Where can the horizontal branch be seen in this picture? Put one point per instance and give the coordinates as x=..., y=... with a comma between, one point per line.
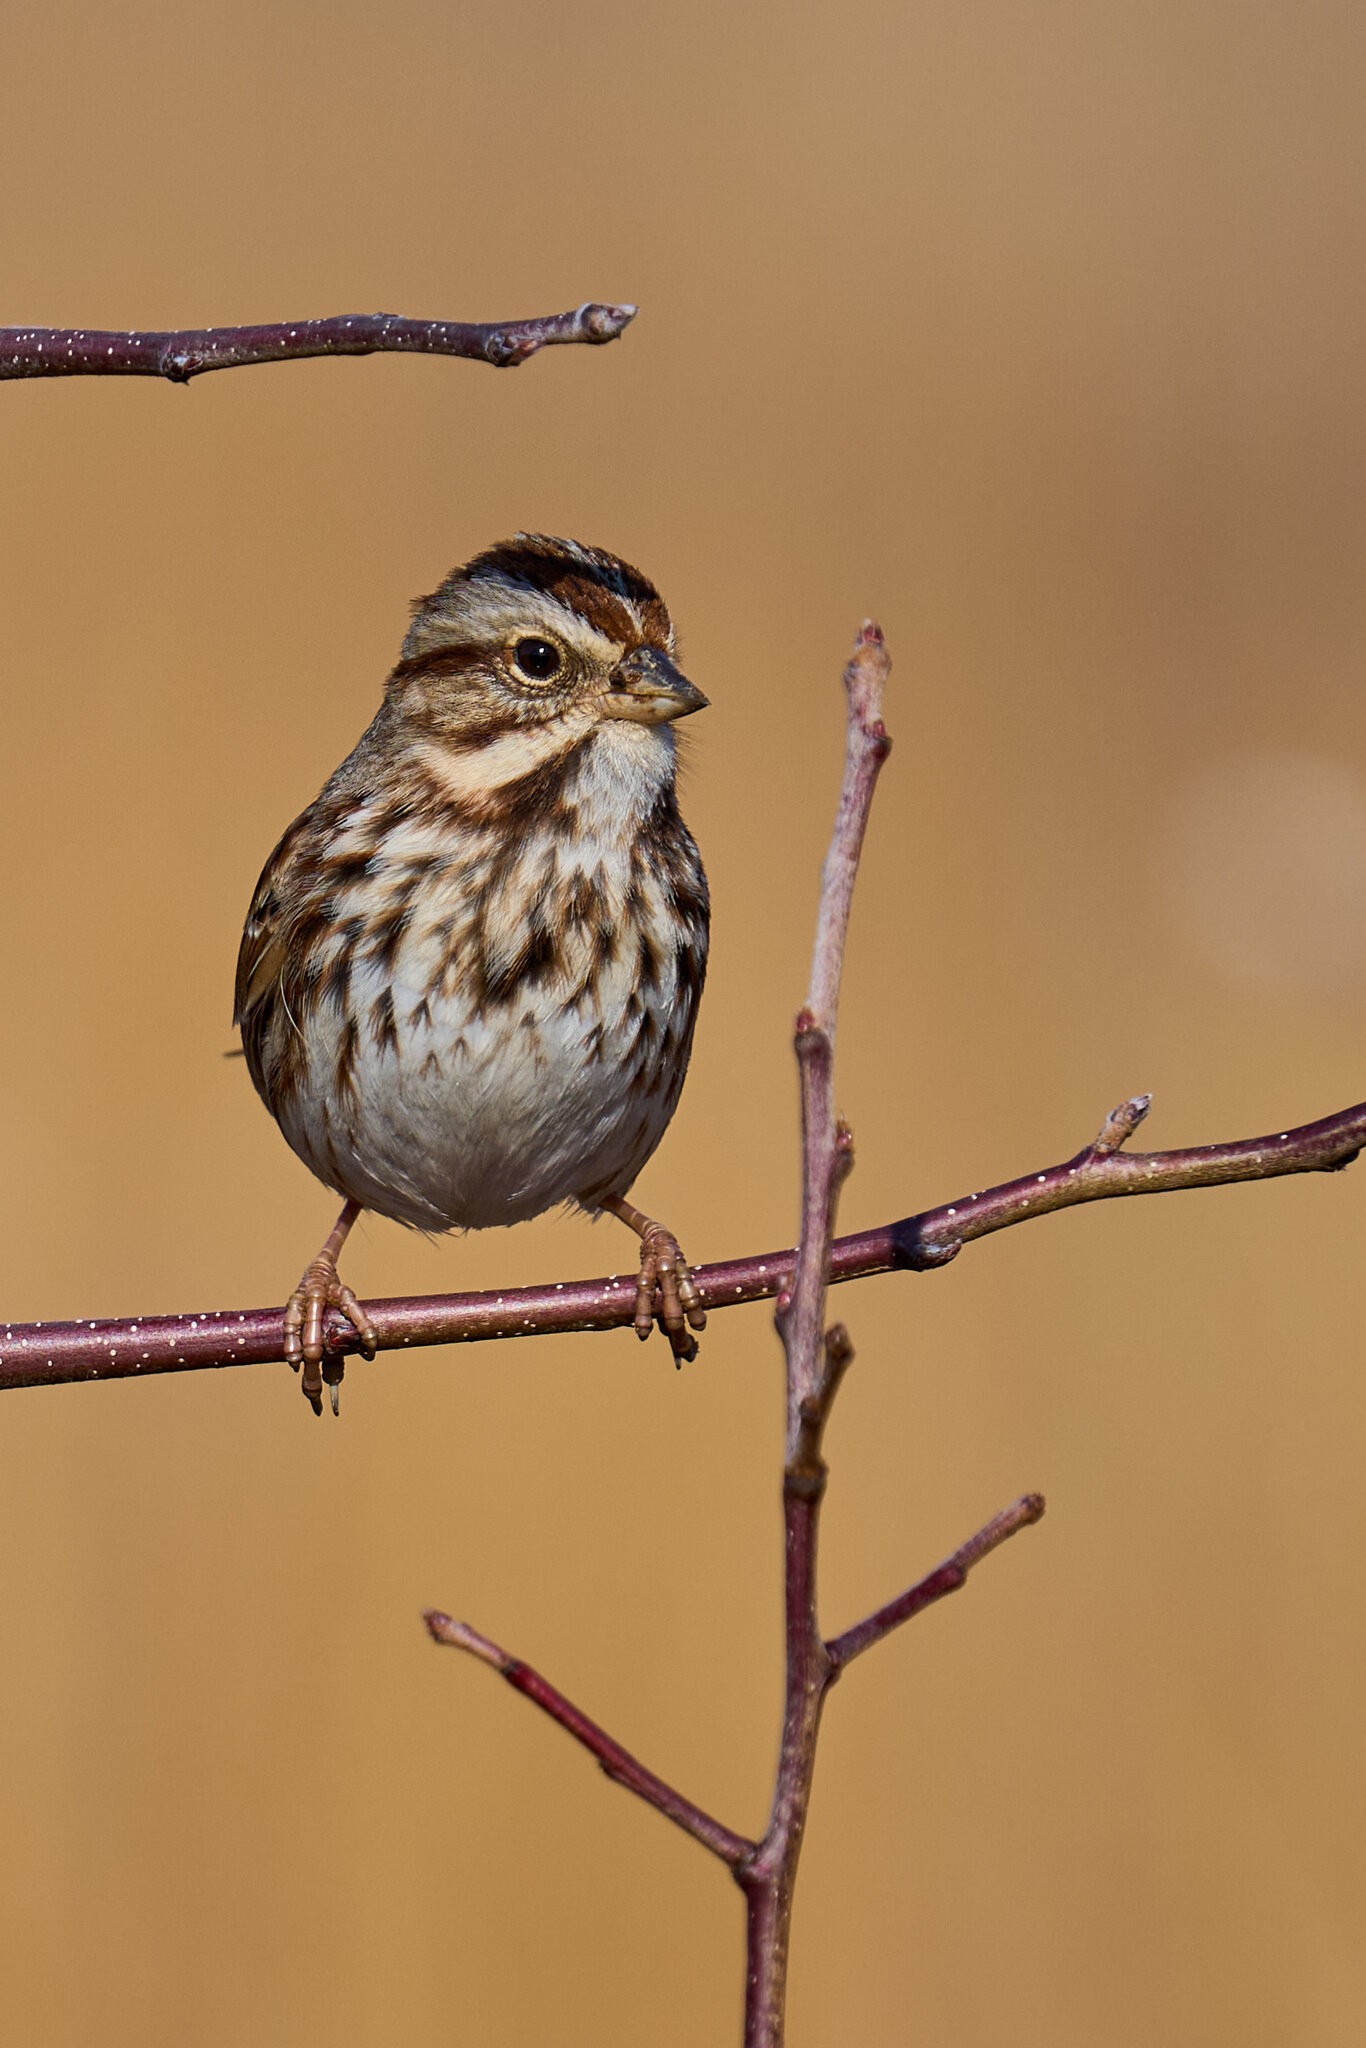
x=945, y=1578
x=184, y=352
x=49, y=1354
x=618, y=1764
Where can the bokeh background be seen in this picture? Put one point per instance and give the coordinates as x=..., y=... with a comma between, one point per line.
x=1035, y=330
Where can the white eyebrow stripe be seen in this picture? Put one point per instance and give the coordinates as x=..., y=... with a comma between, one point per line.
x=499, y=608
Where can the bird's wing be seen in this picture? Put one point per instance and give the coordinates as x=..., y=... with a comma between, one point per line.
x=261, y=956
x=264, y=953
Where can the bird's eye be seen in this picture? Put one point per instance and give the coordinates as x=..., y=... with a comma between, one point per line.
x=538, y=660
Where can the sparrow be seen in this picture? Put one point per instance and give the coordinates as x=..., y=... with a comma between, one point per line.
x=470, y=972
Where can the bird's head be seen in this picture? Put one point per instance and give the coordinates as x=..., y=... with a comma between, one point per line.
x=539, y=634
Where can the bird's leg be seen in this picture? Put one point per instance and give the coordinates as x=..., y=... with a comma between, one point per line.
x=318, y=1291
x=663, y=1268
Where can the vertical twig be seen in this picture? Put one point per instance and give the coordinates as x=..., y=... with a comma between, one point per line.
x=826, y=1152
x=816, y=1361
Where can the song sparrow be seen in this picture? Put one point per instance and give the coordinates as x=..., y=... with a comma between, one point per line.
x=470, y=972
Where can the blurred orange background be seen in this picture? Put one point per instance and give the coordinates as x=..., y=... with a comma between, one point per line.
x=1035, y=331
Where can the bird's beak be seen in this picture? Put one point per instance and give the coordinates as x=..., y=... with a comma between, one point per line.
x=645, y=686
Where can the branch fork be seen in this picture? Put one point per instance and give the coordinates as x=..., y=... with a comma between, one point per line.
x=737, y=1851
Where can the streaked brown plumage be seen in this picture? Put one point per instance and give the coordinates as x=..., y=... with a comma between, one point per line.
x=470, y=972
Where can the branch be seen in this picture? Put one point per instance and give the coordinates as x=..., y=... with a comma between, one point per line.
x=866, y=748
x=816, y=1361
x=136, y=1347
x=827, y=1149
x=945, y=1578
x=618, y=1764
x=184, y=352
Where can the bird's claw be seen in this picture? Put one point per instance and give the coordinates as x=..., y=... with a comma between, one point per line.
x=665, y=1289
x=318, y=1291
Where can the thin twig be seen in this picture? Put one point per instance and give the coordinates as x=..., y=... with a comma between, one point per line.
x=945, y=1578
x=827, y=1152
x=816, y=1361
x=184, y=352
x=138, y=1347
x=617, y=1763
x=866, y=748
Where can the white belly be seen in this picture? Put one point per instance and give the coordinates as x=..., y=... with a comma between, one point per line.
x=478, y=1117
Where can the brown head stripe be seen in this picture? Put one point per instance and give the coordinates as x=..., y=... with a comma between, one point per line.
x=590, y=582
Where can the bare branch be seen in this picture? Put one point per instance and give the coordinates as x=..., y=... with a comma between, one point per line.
x=945, y=1578
x=137, y=1347
x=827, y=1150
x=1102, y=1171
x=816, y=1359
x=866, y=748
x=618, y=1764
x=184, y=352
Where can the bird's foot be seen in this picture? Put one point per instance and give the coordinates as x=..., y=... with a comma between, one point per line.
x=665, y=1288
x=318, y=1291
